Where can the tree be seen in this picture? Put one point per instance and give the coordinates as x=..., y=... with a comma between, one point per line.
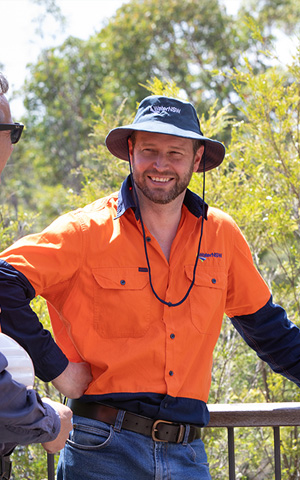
x=183, y=41
x=64, y=83
x=281, y=14
x=258, y=184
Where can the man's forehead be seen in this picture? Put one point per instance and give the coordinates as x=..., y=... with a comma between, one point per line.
x=151, y=138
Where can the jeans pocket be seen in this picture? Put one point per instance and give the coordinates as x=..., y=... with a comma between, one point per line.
x=197, y=451
x=87, y=437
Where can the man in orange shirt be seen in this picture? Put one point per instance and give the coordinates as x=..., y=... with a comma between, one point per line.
x=137, y=284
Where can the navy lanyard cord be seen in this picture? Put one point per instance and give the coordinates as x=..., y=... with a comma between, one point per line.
x=170, y=304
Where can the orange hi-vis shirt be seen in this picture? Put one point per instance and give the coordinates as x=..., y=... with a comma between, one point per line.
x=90, y=266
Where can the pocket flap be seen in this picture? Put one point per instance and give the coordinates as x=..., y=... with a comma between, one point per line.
x=123, y=278
x=207, y=277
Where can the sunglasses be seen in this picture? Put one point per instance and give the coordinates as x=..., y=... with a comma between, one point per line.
x=16, y=130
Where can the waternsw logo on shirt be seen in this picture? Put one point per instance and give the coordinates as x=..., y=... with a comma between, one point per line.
x=205, y=256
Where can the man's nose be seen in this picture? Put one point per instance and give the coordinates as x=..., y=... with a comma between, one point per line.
x=161, y=161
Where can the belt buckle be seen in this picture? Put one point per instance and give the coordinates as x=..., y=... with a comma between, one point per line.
x=154, y=429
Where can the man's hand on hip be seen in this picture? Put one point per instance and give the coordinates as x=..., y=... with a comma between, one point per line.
x=74, y=380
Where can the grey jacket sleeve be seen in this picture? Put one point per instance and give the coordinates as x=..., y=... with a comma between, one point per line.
x=24, y=418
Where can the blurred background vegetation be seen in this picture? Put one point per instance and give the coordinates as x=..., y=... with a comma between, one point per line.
x=245, y=97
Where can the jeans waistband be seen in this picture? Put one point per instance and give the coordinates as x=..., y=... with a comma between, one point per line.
x=159, y=430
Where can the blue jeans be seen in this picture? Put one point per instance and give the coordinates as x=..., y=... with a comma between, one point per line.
x=97, y=451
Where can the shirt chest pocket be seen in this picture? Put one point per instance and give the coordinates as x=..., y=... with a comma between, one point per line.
x=207, y=298
x=121, y=302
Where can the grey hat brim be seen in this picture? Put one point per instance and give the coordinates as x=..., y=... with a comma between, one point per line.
x=117, y=141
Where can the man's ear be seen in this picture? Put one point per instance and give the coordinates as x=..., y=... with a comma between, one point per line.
x=130, y=147
x=198, y=157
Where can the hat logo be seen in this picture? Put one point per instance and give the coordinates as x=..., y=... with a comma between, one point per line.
x=160, y=108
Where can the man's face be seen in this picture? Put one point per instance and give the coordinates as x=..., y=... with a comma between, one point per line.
x=6, y=146
x=162, y=165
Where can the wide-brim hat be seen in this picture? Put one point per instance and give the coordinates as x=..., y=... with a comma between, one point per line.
x=170, y=116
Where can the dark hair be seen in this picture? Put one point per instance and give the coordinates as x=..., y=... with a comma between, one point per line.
x=197, y=144
x=3, y=84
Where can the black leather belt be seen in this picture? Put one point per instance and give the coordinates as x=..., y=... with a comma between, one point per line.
x=5, y=468
x=159, y=430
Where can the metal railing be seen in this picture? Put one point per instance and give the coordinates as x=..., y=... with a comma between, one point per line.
x=273, y=415
x=50, y=466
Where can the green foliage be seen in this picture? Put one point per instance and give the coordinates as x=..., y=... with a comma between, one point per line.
x=159, y=87
x=184, y=42
x=29, y=463
x=12, y=229
x=262, y=174
x=284, y=14
x=64, y=81
x=258, y=184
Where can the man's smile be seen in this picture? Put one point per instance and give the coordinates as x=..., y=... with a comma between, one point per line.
x=160, y=179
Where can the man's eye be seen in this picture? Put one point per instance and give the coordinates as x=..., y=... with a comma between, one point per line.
x=177, y=154
x=148, y=150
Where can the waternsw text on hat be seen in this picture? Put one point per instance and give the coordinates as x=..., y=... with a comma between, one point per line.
x=169, y=116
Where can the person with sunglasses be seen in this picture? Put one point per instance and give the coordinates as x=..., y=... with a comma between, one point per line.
x=10, y=132
x=24, y=417
x=137, y=284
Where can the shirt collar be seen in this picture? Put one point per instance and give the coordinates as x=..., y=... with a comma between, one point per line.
x=125, y=198
x=192, y=201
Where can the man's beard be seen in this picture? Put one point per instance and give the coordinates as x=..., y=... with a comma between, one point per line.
x=159, y=195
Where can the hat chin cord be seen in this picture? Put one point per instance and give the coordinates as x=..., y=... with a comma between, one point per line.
x=170, y=304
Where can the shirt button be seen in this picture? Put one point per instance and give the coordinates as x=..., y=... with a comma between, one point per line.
x=148, y=239
x=172, y=335
x=213, y=280
x=171, y=373
x=122, y=282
